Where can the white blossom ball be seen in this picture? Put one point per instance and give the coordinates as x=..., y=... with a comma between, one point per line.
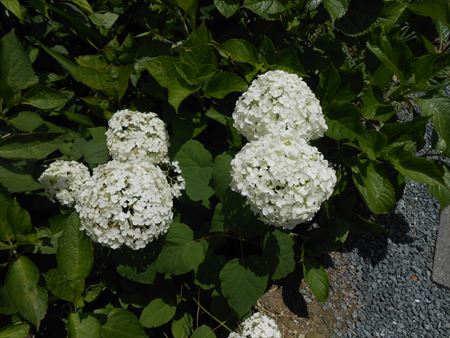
x=277, y=101
x=62, y=181
x=126, y=203
x=284, y=179
x=133, y=135
x=258, y=326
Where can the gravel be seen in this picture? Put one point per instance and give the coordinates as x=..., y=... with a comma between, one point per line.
x=394, y=294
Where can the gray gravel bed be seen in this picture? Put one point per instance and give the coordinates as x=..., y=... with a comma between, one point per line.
x=391, y=277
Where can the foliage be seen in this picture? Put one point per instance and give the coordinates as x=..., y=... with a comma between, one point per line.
x=67, y=66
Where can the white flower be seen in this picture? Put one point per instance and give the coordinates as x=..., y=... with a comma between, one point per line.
x=278, y=101
x=284, y=179
x=62, y=180
x=134, y=135
x=258, y=326
x=126, y=203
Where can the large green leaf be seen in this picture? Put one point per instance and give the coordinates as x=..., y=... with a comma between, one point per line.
x=374, y=186
x=14, y=7
x=203, y=332
x=157, y=313
x=439, y=110
x=182, y=323
x=279, y=249
x=336, y=8
x=224, y=83
x=121, y=323
x=359, y=17
x=62, y=286
x=44, y=98
x=163, y=69
x=180, y=253
x=21, y=284
x=14, y=220
x=240, y=50
x=107, y=78
x=242, y=284
x=316, y=277
x=27, y=121
x=436, y=9
x=35, y=146
x=197, y=168
x=19, y=330
x=74, y=255
x=221, y=177
x=267, y=9
x=442, y=192
x=227, y=7
x=15, y=66
x=82, y=326
x=16, y=179
x=418, y=169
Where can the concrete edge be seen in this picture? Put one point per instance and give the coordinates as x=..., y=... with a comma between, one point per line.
x=441, y=265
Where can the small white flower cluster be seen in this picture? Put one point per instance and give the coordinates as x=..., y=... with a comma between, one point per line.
x=284, y=179
x=127, y=201
x=62, y=181
x=258, y=326
x=277, y=101
x=134, y=135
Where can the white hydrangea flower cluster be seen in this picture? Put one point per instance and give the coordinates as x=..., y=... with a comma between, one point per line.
x=277, y=101
x=134, y=135
x=258, y=326
x=126, y=203
x=62, y=181
x=284, y=179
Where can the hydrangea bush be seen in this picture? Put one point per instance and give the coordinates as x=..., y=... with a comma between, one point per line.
x=163, y=163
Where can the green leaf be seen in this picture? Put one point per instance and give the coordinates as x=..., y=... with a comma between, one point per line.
x=216, y=116
x=62, y=286
x=44, y=98
x=373, y=184
x=203, y=332
x=336, y=8
x=94, y=151
x=442, y=192
x=387, y=56
x=197, y=168
x=227, y=7
x=316, y=277
x=30, y=147
x=162, y=68
x=121, y=323
x=418, y=169
x=180, y=253
x=74, y=255
x=344, y=123
x=83, y=5
x=6, y=303
x=6, y=229
x=242, y=285
x=105, y=20
x=359, y=17
x=240, y=50
x=224, y=83
x=15, y=66
x=107, y=78
x=19, y=330
x=279, y=248
x=267, y=9
x=182, y=324
x=221, y=177
x=439, y=110
x=80, y=325
x=21, y=284
x=157, y=313
x=436, y=9
x=15, y=179
x=18, y=218
x=26, y=121
x=13, y=6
